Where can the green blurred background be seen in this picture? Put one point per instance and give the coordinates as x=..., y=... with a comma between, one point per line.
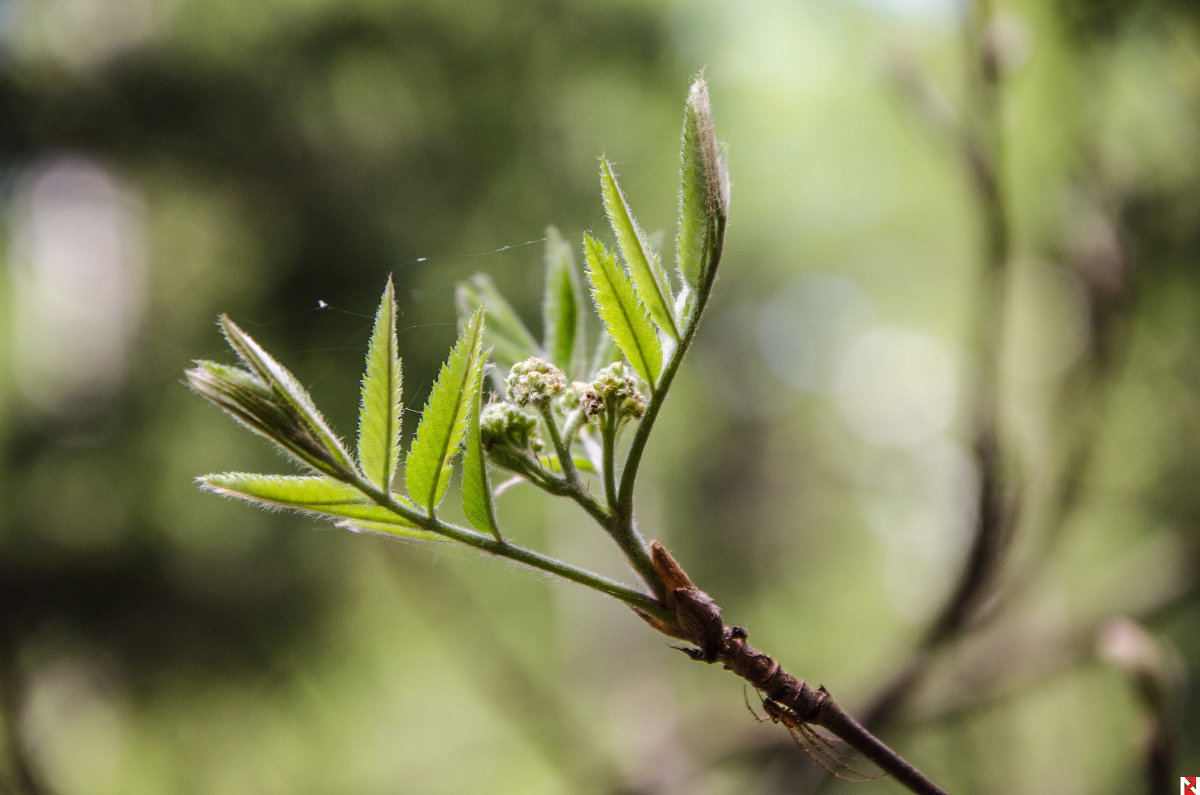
x=167, y=160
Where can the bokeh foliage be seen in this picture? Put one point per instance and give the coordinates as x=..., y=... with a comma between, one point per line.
x=169, y=161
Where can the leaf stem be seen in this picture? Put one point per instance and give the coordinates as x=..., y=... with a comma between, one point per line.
x=565, y=459
x=624, y=532
x=633, y=457
x=575, y=421
x=609, y=440
x=505, y=549
x=571, y=484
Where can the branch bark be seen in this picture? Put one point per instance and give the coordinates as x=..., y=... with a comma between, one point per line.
x=697, y=620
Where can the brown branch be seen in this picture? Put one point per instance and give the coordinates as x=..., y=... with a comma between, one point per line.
x=697, y=620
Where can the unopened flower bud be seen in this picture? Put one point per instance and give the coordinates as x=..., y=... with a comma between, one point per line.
x=535, y=381
x=615, y=387
x=503, y=424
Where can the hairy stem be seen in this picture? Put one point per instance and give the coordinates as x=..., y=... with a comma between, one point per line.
x=561, y=447
x=504, y=549
x=609, y=436
x=637, y=446
x=571, y=484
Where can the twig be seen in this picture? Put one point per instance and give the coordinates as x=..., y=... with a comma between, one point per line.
x=697, y=619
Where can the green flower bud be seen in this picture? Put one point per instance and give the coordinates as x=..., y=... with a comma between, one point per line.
x=505, y=425
x=535, y=381
x=615, y=387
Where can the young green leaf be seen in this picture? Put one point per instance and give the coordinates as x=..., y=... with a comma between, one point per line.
x=643, y=261
x=703, y=195
x=268, y=400
x=313, y=494
x=562, y=314
x=622, y=313
x=510, y=340
x=476, y=491
x=444, y=420
x=380, y=412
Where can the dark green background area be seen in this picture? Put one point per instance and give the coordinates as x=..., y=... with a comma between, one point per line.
x=811, y=470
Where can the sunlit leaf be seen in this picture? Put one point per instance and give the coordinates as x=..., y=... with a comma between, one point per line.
x=622, y=313
x=312, y=494
x=444, y=420
x=562, y=306
x=380, y=412
x=476, y=490
x=642, y=260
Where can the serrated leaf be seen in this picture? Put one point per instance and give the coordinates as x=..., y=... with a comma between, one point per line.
x=640, y=257
x=622, y=313
x=562, y=306
x=509, y=339
x=380, y=412
x=476, y=490
x=444, y=420
x=312, y=494
x=703, y=194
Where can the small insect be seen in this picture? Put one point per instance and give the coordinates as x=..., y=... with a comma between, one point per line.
x=815, y=745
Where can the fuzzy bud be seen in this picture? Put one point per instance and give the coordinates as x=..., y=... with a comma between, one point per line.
x=535, y=381
x=615, y=387
x=505, y=425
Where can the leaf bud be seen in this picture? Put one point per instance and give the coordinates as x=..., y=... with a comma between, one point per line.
x=262, y=408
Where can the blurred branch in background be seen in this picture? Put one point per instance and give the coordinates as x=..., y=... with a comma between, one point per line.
x=1093, y=247
x=981, y=137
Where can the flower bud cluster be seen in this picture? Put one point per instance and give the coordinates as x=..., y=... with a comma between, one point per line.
x=534, y=381
x=614, y=388
x=505, y=425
